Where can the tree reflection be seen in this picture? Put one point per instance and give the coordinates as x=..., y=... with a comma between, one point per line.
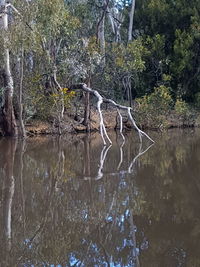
x=75, y=203
x=8, y=188
x=103, y=155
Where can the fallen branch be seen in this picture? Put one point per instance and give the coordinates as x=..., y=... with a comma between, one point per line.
x=100, y=101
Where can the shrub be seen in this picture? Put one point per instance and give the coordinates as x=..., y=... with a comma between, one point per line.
x=152, y=110
x=185, y=114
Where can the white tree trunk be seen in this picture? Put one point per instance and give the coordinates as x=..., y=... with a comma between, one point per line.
x=131, y=15
x=101, y=30
x=112, y=22
x=9, y=121
x=116, y=19
x=4, y=25
x=101, y=37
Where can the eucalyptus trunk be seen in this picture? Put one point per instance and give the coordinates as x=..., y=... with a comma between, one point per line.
x=101, y=36
x=86, y=121
x=101, y=30
x=131, y=16
x=8, y=117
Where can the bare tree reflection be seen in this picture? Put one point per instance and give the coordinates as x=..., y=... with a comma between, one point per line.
x=109, y=226
x=104, y=153
x=140, y=153
x=103, y=159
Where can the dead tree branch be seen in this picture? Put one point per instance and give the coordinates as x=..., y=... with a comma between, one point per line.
x=100, y=101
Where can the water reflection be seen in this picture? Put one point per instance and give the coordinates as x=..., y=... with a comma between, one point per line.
x=77, y=203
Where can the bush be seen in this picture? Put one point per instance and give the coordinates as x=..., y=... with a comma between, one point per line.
x=152, y=110
x=185, y=114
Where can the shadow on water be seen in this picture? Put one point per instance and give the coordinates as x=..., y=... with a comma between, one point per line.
x=78, y=203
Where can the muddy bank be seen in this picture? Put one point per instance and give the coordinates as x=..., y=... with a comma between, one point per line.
x=71, y=124
x=75, y=125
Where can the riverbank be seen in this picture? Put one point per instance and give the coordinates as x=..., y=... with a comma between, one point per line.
x=71, y=125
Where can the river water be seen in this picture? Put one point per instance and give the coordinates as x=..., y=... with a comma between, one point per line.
x=72, y=202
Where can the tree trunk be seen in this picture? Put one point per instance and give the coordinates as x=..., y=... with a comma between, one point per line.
x=86, y=121
x=101, y=30
x=8, y=117
x=101, y=36
x=116, y=19
x=131, y=15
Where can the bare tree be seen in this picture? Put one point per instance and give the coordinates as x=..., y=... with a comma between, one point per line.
x=100, y=101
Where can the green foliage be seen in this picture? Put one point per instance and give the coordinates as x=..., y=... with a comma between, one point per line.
x=186, y=115
x=64, y=95
x=129, y=58
x=156, y=46
x=171, y=33
x=182, y=52
x=152, y=110
x=181, y=107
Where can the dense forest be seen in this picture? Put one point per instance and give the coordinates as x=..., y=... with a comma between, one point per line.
x=144, y=54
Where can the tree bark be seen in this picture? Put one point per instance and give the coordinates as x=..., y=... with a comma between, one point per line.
x=101, y=30
x=86, y=121
x=60, y=104
x=131, y=15
x=8, y=117
x=116, y=19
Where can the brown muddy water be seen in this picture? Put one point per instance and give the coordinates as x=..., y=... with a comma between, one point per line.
x=72, y=202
